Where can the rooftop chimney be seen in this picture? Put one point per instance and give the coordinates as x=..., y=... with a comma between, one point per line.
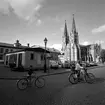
x=28, y=44
x=17, y=44
x=17, y=41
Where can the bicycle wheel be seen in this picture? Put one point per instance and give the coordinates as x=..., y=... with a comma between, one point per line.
x=73, y=79
x=40, y=82
x=22, y=84
x=89, y=78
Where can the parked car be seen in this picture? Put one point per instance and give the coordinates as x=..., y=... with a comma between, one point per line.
x=54, y=64
x=66, y=64
x=93, y=64
x=86, y=64
x=60, y=64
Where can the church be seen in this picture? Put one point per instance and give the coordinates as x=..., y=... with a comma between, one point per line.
x=73, y=51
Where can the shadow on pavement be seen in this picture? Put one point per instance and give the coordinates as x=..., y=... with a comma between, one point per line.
x=99, y=80
x=96, y=81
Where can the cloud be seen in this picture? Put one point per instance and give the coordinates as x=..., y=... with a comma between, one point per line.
x=85, y=43
x=56, y=46
x=26, y=9
x=99, y=29
x=38, y=22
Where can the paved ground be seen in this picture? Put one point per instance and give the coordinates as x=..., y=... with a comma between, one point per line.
x=57, y=91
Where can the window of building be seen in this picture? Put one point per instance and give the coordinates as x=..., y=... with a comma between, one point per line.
x=42, y=57
x=1, y=57
x=31, y=56
x=1, y=50
x=11, y=50
x=6, y=50
x=6, y=60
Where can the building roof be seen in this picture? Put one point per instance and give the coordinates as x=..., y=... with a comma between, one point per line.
x=29, y=49
x=36, y=48
x=86, y=45
x=7, y=45
x=48, y=49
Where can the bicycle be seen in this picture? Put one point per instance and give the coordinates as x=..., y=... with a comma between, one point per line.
x=27, y=81
x=84, y=75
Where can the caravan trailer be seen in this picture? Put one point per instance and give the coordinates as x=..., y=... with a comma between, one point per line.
x=15, y=60
x=26, y=58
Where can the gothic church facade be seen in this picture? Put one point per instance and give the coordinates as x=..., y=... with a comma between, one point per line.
x=73, y=51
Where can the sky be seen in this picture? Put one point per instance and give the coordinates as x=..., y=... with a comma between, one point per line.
x=30, y=21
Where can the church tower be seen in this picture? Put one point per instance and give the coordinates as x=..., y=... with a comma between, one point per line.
x=70, y=44
x=65, y=38
x=65, y=44
x=74, y=40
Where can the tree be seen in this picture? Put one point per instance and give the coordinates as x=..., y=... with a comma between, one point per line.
x=102, y=55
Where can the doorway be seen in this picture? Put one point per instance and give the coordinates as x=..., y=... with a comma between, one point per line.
x=20, y=60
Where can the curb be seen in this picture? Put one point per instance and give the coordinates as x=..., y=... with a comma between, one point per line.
x=67, y=71
x=48, y=74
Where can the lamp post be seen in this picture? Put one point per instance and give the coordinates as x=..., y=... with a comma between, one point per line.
x=45, y=42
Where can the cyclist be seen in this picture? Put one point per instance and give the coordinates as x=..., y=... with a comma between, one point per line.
x=72, y=66
x=30, y=72
x=78, y=68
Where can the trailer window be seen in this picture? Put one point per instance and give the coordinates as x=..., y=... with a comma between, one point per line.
x=1, y=57
x=6, y=60
x=31, y=56
x=42, y=57
x=7, y=50
x=1, y=50
x=13, y=58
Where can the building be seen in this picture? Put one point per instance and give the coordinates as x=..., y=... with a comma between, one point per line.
x=6, y=47
x=26, y=57
x=91, y=52
x=31, y=56
x=53, y=53
x=73, y=51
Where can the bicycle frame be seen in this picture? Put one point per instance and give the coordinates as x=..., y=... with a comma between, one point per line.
x=82, y=71
x=88, y=77
x=28, y=80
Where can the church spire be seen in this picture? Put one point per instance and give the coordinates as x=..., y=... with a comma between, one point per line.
x=66, y=34
x=65, y=38
x=65, y=29
x=73, y=25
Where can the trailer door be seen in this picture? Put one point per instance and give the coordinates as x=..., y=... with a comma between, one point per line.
x=6, y=60
x=20, y=60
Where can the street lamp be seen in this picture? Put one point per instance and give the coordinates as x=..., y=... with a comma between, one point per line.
x=45, y=41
